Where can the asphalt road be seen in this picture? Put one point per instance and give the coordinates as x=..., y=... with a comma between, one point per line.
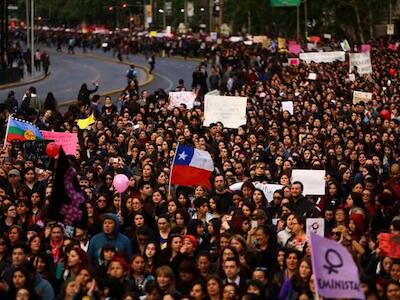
x=68, y=72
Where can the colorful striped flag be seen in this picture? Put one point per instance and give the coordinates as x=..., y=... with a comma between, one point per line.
x=21, y=130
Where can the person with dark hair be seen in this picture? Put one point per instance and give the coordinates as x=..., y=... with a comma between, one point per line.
x=231, y=268
x=84, y=93
x=11, y=103
x=300, y=203
x=110, y=234
x=298, y=282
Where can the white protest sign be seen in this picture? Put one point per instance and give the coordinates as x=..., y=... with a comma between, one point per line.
x=352, y=77
x=268, y=188
x=229, y=110
x=323, y=57
x=288, y=105
x=312, y=76
x=361, y=97
x=214, y=92
x=315, y=225
x=327, y=36
x=312, y=180
x=362, y=61
x=178, y=98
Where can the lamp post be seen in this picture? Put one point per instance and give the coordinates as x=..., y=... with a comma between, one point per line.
x=28, y=36
x=33, y=36
x=162, y=11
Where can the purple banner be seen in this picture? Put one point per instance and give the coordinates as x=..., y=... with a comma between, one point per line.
x=336, y=274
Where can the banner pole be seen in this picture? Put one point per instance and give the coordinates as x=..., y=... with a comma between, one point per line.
x=170, y=171
x=8, y=127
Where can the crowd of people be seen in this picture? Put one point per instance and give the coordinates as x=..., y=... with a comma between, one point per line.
x=152, y=242
x=19, y=57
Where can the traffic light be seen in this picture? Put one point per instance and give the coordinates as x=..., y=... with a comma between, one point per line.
x=216, y=9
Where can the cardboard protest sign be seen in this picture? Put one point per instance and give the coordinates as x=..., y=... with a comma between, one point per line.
x=336, y=274
x=68, y=140
x=288, y=105
x=389, y=244
x=178, y=98
x=323, y=57
x=229, y=110
x=361, y=97
x=362, y=61
x=312, y=180
x=315, y=225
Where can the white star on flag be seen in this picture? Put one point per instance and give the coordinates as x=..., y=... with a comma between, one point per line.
x=183, y=156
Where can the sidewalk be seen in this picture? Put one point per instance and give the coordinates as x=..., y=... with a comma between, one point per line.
x=27, y=80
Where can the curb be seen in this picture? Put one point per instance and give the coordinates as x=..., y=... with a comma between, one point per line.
x=18, y=84
x=149, y=77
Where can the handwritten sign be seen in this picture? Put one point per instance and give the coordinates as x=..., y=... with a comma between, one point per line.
x=361, y=97
x=323, y=57
x=67, y=140
x=178, y=98
x=231, y=111
x=362, y=61
x=312, y=180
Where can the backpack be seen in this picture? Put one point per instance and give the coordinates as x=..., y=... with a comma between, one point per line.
x=132, y=74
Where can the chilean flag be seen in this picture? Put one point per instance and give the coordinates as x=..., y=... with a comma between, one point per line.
x=191, y=167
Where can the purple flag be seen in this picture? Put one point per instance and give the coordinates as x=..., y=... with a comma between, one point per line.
x=336, y=274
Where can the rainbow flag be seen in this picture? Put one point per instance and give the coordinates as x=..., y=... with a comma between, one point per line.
x=21, y=130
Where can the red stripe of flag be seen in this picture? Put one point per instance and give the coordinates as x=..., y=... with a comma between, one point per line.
x=188, y=176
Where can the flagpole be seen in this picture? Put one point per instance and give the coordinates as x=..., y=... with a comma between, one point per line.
x=8, y=127
x=170, y=170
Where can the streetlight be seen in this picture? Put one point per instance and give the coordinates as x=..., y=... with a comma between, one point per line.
x=161, y=11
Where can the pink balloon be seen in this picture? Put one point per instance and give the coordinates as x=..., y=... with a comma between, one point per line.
x=121, y=183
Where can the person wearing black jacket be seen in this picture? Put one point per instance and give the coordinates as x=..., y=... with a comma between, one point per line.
x=84, y=93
